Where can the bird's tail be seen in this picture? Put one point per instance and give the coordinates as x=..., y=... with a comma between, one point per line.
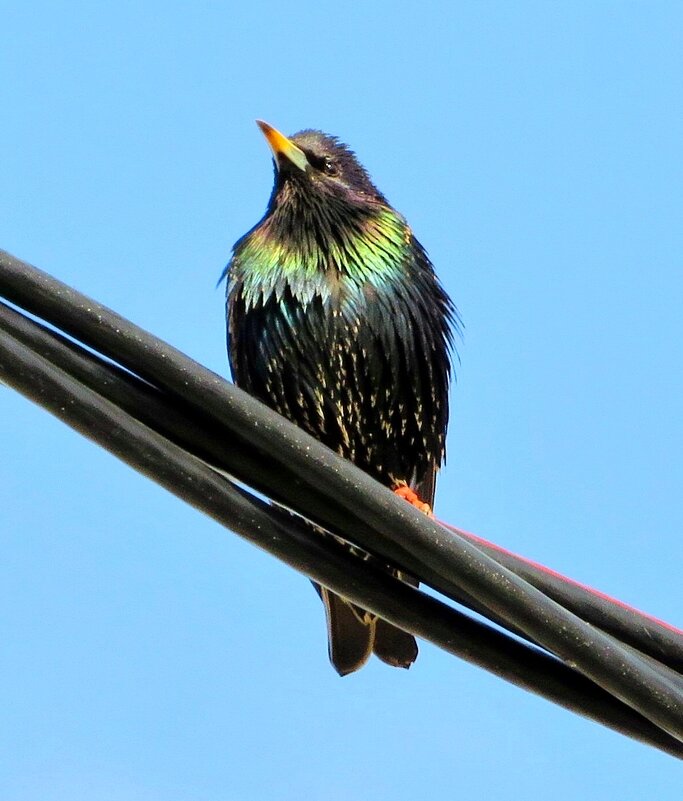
x=353, y=634
x=394, y=646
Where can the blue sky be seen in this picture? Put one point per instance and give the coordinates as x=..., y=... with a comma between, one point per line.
x=536, y=150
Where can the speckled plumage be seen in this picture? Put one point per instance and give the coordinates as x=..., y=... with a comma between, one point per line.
x=337, y=320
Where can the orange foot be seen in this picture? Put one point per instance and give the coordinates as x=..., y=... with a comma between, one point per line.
x=411, y=496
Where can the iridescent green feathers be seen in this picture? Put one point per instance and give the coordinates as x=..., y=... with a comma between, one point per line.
x=321, y=260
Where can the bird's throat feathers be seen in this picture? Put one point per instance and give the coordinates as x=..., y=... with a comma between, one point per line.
x=329, y=256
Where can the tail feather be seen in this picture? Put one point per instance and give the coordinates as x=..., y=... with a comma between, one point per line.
x=353, y=634
x=394, y=646
x=350, y=635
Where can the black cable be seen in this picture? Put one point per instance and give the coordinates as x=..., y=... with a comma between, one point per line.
x=166, y=415
x=298, y=545
x=181, y=425
x=641, y=631
x=315, y=481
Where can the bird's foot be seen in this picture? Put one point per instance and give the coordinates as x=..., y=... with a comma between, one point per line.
x=405, y=492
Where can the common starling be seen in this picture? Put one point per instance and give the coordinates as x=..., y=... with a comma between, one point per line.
x=337, y=321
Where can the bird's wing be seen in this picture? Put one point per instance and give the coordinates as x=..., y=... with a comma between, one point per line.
x=426, y=486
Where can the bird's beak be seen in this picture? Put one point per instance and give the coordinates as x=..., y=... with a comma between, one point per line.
x=284, y=150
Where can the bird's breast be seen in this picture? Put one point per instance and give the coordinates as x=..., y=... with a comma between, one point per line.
x=337, y=265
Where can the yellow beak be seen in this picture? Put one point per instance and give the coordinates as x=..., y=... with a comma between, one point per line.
x=282, y=147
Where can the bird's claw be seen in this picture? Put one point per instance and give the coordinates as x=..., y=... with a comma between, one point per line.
x=405, y=492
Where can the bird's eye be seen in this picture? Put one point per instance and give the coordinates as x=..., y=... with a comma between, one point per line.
x=324, y=164
x=329, y=167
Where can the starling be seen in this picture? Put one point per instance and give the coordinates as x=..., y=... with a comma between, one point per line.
x=337, y=321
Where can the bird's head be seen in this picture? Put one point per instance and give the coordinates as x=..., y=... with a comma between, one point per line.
x=317, y=169
x=325, y=218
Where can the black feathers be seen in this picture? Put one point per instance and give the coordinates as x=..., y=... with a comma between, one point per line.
x=337, y=321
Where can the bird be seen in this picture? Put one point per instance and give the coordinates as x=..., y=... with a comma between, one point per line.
x=337, y=321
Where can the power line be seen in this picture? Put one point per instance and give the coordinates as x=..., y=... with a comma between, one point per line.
x=165, y=404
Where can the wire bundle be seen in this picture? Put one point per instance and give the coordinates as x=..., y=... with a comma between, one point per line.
x=186, y=428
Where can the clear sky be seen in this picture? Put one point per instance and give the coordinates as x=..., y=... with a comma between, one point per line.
x=535, y=148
